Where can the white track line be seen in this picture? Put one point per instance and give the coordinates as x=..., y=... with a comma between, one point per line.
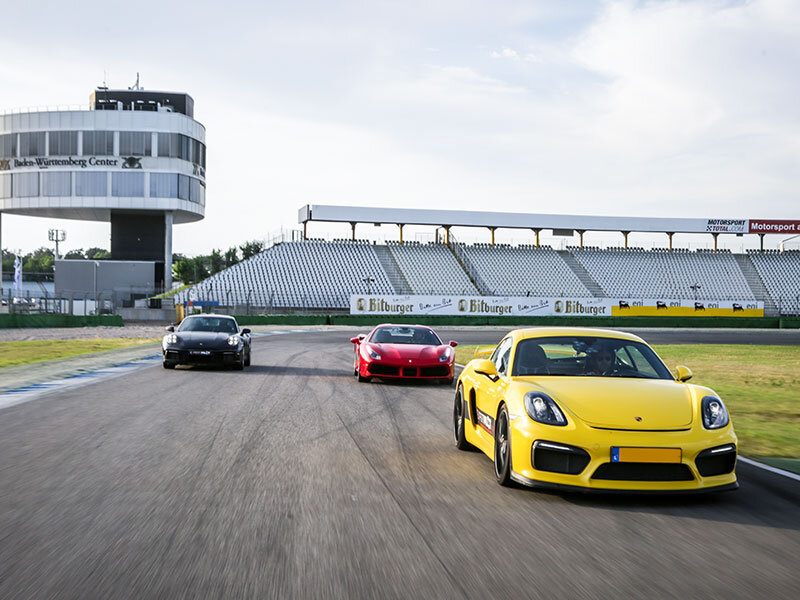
x=31, y=392
x=769, y=468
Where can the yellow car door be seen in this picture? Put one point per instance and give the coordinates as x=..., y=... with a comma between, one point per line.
x=489, y=393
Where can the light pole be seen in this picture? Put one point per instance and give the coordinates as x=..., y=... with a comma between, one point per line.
x=56, y=235
x=96, y=266
x=782, y=242
x=369, y=281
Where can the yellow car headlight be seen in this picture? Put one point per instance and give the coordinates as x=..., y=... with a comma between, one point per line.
x=715, y=415
x=543, y=409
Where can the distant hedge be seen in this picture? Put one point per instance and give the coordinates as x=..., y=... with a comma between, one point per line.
x=8, y=321
x=672, y=322
x=283, y=319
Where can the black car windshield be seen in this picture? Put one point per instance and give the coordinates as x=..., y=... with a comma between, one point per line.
x=585, y=356
x=405, y=335
x=213, y=324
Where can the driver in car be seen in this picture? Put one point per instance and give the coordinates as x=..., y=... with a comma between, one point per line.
x=600, y=361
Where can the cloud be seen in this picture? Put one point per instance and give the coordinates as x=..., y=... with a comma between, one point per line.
x=512, y=54
x=620, y=107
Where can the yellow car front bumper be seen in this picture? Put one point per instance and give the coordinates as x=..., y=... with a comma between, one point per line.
x=607, y=470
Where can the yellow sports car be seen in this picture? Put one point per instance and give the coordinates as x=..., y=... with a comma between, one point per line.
x=592, y=410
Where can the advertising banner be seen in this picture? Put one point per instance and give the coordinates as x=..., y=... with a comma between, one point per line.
x=638, y=307
x=517, y=306
x=766, y=226
x=478, y=305
x=726, y=225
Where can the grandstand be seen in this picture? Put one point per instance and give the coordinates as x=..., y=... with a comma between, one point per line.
x=780, y=274
x=661, y=273
x=319, y=275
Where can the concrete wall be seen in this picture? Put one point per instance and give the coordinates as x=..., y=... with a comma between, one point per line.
x=104, y=276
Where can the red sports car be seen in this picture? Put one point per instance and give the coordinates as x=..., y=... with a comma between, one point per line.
x=403, y=351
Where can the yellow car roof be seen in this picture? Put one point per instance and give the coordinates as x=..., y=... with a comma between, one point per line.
x=530, y=332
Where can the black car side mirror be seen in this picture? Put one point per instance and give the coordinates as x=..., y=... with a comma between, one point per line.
x=245, y=330
x=171, y=328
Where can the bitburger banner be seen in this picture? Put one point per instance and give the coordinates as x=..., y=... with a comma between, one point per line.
x=517, y=306
x=479, y=305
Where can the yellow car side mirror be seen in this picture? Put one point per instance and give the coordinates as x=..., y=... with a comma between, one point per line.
x=485, y=367
x=683, y=373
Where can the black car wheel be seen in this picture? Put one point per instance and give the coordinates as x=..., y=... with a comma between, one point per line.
x=355, y=363
x=239, y=366
x=247, y=360
x=458, y=421
x=502, y=449
x=168, y=365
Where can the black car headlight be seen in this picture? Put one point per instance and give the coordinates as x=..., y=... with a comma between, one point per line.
x=172, y=339
x=373, y=353
x=234, y=340
x=445, y=356
x=715, y=415
x=543, y=409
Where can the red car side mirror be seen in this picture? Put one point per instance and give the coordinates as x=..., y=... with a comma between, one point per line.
x=357, y=339
x=452, y=343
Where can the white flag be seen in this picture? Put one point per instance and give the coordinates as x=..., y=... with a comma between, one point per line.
x=18, y=274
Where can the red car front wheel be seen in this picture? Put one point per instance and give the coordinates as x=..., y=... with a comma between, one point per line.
x=358, y=371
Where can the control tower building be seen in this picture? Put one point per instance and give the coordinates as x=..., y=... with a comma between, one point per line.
x=135, y=158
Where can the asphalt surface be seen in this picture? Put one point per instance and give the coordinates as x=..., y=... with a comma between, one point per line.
x=292, y=480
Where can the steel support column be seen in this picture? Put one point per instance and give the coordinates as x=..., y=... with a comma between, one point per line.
x=168, y=219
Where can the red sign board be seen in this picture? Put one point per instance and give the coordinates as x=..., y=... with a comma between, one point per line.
x=766, y=226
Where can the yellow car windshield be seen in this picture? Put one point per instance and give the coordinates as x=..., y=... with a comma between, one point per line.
x=583, y=356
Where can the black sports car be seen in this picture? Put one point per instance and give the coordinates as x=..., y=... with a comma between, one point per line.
x=208, y=340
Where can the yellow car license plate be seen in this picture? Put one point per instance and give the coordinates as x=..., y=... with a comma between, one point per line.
x=645, y=455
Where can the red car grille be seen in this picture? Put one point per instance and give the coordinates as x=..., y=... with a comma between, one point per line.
x=383, y=370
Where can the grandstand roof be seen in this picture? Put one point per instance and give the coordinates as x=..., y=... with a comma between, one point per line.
x=465, y=218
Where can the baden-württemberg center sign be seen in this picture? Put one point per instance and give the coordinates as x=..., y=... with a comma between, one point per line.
x=134, y=158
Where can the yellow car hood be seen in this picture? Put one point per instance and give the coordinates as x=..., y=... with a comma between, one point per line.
x=621, y=403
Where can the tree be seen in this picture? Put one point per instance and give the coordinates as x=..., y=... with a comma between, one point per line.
x=98, y=254
x=216, y=261
x=40, y=260
x=231, y=258
x=250, y=249
x=190, y=270
x=8, y=260
x=75, y=255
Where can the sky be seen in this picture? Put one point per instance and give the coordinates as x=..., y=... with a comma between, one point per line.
x=664, y=109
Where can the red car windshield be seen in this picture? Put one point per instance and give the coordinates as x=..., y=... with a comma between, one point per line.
x=405, y=335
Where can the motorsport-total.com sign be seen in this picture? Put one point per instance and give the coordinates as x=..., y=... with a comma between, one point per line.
x=518, y=306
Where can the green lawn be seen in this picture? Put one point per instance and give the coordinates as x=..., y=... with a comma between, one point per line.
x=759, y=384
x=22, y=353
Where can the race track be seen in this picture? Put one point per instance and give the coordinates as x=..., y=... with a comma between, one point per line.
x=291, y=480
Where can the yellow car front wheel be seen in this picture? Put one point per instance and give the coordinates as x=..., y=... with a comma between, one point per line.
x=502, y=449
x=458, y=421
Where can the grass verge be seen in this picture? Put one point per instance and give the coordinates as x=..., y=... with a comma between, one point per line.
x=759, y=384
x=26, y=352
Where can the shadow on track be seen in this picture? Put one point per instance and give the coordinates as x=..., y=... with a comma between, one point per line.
x=745, y=506
x=297, y=371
